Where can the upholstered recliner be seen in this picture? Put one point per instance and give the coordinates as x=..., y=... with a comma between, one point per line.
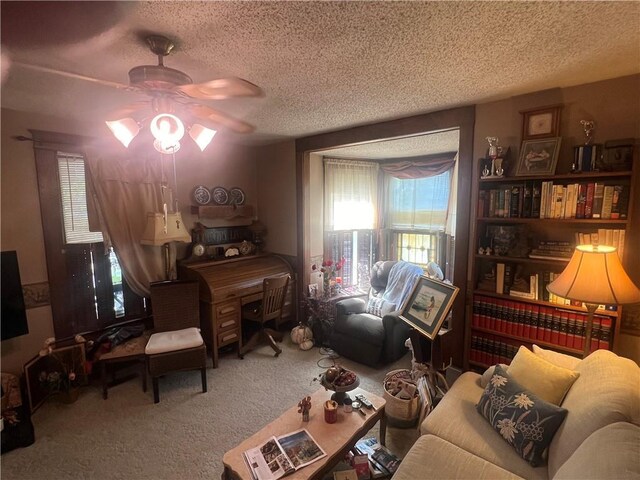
x=379, y=337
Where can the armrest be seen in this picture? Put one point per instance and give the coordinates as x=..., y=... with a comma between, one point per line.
x=350, y=305
x=396, y=332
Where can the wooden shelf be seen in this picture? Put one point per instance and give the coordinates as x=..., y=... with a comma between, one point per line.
x=564, y=176
x=540, y=343
x=603, y=313
x=225, y=212
x=591, y=221
x=537, y=261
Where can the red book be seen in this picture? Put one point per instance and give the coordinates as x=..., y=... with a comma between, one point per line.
x=605, y=334
x=522, y=319
x=595, y=334
x=548, y=322
x=475, y=318
x=555, y=327
x=498, y=315
x=564, y=328
x=571, y=331
x=482, y=314
x=541, y=323
x=588, y=206
x=535, y=313
x=580, y=330
x=526, y=332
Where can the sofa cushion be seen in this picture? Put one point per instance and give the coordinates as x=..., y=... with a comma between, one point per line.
x=456, y=420
x=613, y=452
x=366, y=327
x=432, y=457
x=524, y=421
x=541, y=377
x=379, y=306
x=607, y=391
x=557, y=358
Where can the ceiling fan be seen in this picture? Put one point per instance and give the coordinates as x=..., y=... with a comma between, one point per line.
x=173, y=96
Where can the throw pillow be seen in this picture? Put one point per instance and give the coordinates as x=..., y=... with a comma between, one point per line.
x=488, y=373
x=525, y=421
x=548, y=381
x=558, y=359
x=379, y=307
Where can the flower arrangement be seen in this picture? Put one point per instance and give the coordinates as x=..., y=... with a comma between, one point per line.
x=64, y=369
x=329, y=270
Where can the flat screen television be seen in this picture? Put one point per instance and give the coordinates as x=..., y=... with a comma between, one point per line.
x=14, y=316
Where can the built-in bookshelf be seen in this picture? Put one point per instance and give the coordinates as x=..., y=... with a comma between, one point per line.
x=526, y=229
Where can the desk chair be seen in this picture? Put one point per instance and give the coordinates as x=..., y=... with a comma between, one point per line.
x=274, y=291
x=177, y=344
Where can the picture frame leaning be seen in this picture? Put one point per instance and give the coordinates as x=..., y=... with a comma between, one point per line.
x=428, y=305
x=538, y=157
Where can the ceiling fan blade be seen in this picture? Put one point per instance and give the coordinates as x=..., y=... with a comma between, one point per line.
x=128, y=110
x=214, y=119
x=77, y=76
x=221, y=89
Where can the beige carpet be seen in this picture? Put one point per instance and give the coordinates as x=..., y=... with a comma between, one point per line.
x=187, y=433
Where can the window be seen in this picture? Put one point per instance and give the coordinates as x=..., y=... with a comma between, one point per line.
x=418, y=214
x=350, y=200
x=88, y=292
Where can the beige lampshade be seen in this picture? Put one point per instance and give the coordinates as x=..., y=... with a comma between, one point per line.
x=595, y=275
x=155, y=233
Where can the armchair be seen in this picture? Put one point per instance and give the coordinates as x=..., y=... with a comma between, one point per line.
x=370, y=332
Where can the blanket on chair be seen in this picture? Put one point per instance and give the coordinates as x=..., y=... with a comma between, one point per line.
x=402, y=277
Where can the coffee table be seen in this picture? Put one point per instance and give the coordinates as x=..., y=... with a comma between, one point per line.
x=336, y=439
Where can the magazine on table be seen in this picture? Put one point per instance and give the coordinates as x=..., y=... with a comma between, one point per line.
x=281, y=456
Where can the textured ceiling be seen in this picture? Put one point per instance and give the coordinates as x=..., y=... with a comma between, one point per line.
x=323, y=65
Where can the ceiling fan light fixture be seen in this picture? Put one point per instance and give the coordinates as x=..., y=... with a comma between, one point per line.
x=124, y=130
x=201, y=135
x=167, y=128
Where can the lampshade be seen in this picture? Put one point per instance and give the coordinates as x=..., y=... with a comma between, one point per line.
x=124, y=129
x=157, y=232
x=201, y=135
x=595, y=275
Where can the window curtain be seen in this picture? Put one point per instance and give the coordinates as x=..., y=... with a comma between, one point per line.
x=450, y=227
x=350, y=194
x=419, y=166
x=122, y=190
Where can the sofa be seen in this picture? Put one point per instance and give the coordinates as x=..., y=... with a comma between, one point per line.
x=598, y=439
x=374, y=335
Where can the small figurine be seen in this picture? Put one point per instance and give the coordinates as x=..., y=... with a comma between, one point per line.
x=487, y=251
x=481, y=251
x=304, y=406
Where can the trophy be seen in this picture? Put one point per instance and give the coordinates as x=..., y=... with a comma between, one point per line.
x=586, y=157
x=495, y=154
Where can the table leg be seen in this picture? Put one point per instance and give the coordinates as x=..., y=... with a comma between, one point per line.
x=105, y=387
x=144, y=374
x=383, y=428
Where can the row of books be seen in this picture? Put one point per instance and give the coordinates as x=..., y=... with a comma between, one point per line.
x=548, y=200
x=539, y=322
x=613, y=237
x=489, y=350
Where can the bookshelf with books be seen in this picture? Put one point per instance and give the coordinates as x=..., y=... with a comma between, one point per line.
x=526, y=228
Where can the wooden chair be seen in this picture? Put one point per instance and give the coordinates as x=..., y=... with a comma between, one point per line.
x=177, y=344
x=274, y=291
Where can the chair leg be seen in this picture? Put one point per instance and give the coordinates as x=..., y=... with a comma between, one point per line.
x=156, y=390
x=273, y=343
x=275, y=334
x=203, y=373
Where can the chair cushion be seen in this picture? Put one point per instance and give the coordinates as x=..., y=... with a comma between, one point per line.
x=174, y=340
x=364, y=326
x=524, y=421
x=541, y=377
x=379, y=306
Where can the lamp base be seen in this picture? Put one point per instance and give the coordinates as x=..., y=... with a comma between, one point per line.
x=591, y=308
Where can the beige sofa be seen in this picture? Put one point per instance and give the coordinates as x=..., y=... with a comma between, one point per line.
x=599, y=438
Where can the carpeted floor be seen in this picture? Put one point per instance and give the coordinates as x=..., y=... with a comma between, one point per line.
x=187, y=433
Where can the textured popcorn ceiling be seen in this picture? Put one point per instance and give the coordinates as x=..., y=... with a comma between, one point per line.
x=323, y=65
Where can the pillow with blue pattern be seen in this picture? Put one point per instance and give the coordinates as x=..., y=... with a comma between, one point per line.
x=524, y=421
x=379, y=307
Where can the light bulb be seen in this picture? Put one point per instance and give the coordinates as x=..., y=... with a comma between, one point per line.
x=166, y=148
x=167, y=128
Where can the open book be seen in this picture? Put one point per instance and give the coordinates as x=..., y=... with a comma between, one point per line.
x=281, y=456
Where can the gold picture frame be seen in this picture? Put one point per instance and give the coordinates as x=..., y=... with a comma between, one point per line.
x=428, y=305
x=541, y=122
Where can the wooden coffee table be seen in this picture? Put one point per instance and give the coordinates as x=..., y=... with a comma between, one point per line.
x=336, y=439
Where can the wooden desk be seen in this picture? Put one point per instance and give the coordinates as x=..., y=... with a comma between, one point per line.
x=227, y=285
x=336, y=439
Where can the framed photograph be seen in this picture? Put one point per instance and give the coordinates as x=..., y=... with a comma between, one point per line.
x=428, y=305
x=313, y=290
x=538, y=157
x=541, y=123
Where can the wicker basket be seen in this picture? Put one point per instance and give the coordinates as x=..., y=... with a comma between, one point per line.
x=399, y=411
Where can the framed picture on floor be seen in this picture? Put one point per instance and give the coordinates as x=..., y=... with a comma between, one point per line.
x=428, y=305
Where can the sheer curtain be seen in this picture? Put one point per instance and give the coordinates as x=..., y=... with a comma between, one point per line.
x=350, y=194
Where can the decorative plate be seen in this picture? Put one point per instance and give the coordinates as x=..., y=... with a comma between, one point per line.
x=236, y=196
x=220, y=195
x=201, y=195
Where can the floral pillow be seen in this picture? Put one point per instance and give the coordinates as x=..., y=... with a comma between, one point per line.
x=379, y=307
x=524, y=421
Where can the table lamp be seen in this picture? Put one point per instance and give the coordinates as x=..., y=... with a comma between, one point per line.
x=595, y=276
